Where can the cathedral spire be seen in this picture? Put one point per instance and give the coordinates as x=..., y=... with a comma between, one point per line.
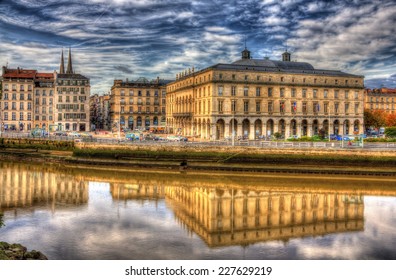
x=62, y=65
x=69, y=64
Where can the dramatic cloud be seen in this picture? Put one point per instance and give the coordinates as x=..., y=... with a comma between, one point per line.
x=118, y=39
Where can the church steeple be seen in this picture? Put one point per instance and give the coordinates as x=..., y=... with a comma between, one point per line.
x=62, y=65
x=69, y=64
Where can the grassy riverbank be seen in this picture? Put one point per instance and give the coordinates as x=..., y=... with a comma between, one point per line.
x=223, y=158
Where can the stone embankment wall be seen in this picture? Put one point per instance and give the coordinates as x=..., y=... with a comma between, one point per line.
x=186, y=148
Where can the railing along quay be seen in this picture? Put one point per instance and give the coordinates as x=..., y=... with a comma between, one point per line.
x=238, y=143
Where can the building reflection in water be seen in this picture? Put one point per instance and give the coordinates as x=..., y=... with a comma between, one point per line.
x=227, y=216
x=29, y=186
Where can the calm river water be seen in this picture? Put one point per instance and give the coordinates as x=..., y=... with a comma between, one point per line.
x=85, y=213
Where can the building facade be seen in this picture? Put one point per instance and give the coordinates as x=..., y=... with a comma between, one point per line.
x=99, y=111
x=17, y=99
x=51, y=101
x=138, y=104
x=251, y=98
x=381, y=99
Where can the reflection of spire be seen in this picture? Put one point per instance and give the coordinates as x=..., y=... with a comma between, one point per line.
x=62, y=65
x=69, y=64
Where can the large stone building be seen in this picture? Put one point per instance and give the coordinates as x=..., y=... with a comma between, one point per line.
x=72, y=102
x=258, y=97
x=52, y=101
x=138, y=104
x=381, y=99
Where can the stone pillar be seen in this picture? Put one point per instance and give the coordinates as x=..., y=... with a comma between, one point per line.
x=309, y=129
x=298, y=129
x=227, y=129
x=264, y=129
x=252, y=132
x=238, y=130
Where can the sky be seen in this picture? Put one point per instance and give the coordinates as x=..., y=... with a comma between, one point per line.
x=119, y=39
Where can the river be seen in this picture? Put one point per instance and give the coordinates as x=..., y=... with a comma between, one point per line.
x=86, y=213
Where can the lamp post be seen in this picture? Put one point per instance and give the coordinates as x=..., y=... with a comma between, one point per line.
x=119, y=122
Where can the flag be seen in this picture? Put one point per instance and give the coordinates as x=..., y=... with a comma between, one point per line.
x=294, y=106
x=318, y=107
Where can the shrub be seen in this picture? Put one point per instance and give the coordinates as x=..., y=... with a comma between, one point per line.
x=390, y=132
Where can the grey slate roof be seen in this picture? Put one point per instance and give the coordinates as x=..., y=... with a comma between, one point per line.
x=267, y=65
x=72, y=76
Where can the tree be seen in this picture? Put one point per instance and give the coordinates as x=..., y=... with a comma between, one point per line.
x=391, y=120
x=1, y=220
x=374, y=118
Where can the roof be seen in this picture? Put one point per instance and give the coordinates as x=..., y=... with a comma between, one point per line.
x=19, y=73
x=72, y=76
x=267, y=65
x=44, y=75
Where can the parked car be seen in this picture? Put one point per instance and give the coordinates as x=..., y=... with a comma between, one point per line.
x=132, y=136
x=74, y=134
x=60, y=133
x=335, y=137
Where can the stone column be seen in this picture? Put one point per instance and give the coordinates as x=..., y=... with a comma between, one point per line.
x=227, y=129
x=252, y=132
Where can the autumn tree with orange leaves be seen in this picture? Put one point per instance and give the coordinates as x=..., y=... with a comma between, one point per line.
x=375, y=118
x=391, y=120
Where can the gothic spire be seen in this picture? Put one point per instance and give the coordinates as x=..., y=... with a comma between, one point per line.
x=69, y=64
x=62, y=65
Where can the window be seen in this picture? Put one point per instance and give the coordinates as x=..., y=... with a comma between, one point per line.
x=258, y=106
x=270, y=107
x=220, y=76
x=326, y=108
x=139, y=93
x=325, y=93
x=347, y=94
x=43, y=118
x=45, y=101
x=59, y=99
x=14, y=96
x=29, y=116
x=246, y=77
x=336, y=94
x=282, y=106
x=13, y=116
x=22, y=97
x=131, y=93
x=258, y=78
x=59, y=116
x=282, y=92
x=29, y=106
x=315, y=93
x=346, y=108
x=147, y=93
x=246, y=106
x=5, y=116
x=233, y=76
x=37, y=92
x=294, y=106
x=304, y=93
x=356, y=108
x=316, y=107
x=304, y=107
x=21, y=106
x=220, y=106
x=233, y=106
x=21, y=116
x=282, y=79
x=293, y=92
x=258, y=91
x=13, y=106
x=220, y=90
x=5, y=105
x=356, y=95
x=269, y=92
x=245, y=91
